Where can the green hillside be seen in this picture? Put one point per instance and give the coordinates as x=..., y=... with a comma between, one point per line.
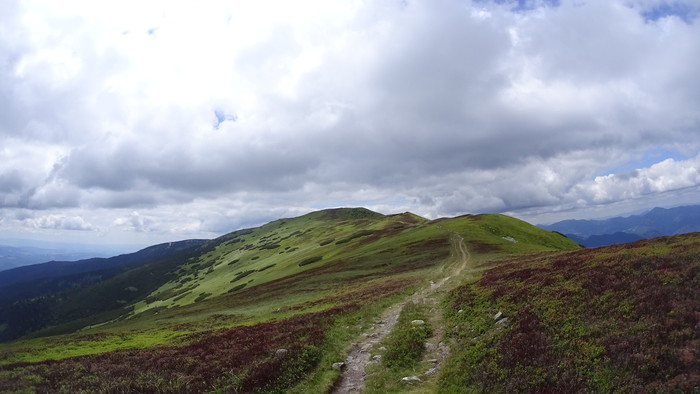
x=270, y=309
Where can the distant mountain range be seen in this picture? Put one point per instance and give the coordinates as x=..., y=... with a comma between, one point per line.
x=655, y=223
x=17, y=252
x=38, y=284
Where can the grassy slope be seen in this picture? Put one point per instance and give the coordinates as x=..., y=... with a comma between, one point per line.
x=205, y=330
x=359, y=273
x=620, y=318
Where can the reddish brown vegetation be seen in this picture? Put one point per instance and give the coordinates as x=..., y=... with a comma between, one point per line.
x=358, y=296
x=625, y=317
x=483, y=248
x=242, y=358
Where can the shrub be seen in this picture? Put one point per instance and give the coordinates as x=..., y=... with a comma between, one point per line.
x=310, y=260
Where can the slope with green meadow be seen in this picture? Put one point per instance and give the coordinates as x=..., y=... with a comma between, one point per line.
x=267, y=309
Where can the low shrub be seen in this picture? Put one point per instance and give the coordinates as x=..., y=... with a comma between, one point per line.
x=310, y=260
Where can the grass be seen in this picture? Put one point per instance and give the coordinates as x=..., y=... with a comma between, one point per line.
x=405, y=343
x=405, y=347
x=619, y=318
x=340, y=335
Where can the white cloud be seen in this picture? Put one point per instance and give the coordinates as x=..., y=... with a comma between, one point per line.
x=61, y=222
x=665, y=176
x=136, y=222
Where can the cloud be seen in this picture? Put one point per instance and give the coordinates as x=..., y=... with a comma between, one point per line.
x=136, y=222
x=236, y=113
x=665, y=176
x=61, y=222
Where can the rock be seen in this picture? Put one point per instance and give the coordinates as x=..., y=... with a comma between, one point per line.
x=442, y=344
x=376, y=358
x=429, y=346
x=365, y=348
x=417, y=322
x=460, y=311
x=338, y=366
x=433, y=361
x=410, y=379
x=500, y=318
x=431, y=371
x=382, y=349
x=281, y=352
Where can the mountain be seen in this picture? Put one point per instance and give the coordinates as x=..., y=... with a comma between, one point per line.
x=605, y=239
x=53, y=269
x=14, y=256
x=657, y=222
x=471, y=303
x=32, y=297
x=17, y=252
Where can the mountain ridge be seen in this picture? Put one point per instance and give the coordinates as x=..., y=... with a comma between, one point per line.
x=654, y=223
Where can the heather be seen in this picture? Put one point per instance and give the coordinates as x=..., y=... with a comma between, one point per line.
x=619, y=318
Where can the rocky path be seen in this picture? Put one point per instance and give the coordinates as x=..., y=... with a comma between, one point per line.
x=352, y=379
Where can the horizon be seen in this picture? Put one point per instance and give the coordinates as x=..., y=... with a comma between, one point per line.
x=130, y=123
x=130, y=248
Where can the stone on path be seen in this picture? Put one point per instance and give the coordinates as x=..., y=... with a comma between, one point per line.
x=281, y=352
x=500, y=318
x=338, y=366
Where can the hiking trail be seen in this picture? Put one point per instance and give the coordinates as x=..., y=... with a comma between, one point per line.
x=352, y=379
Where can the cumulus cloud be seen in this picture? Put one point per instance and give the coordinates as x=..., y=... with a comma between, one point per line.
x=667, y=175
x=237, y=113
x=136, y=222
x=61, y=222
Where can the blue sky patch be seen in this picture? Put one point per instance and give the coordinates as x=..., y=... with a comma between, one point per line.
x=683, y=11
x=649, y=158
x=222, y=117
x=524, y=5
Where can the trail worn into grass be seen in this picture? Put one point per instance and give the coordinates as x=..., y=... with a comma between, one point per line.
x=352, y=379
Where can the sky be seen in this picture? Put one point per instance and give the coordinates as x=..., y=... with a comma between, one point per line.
x=139, y=122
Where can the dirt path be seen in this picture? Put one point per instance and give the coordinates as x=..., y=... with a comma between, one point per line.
x=352, y=379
